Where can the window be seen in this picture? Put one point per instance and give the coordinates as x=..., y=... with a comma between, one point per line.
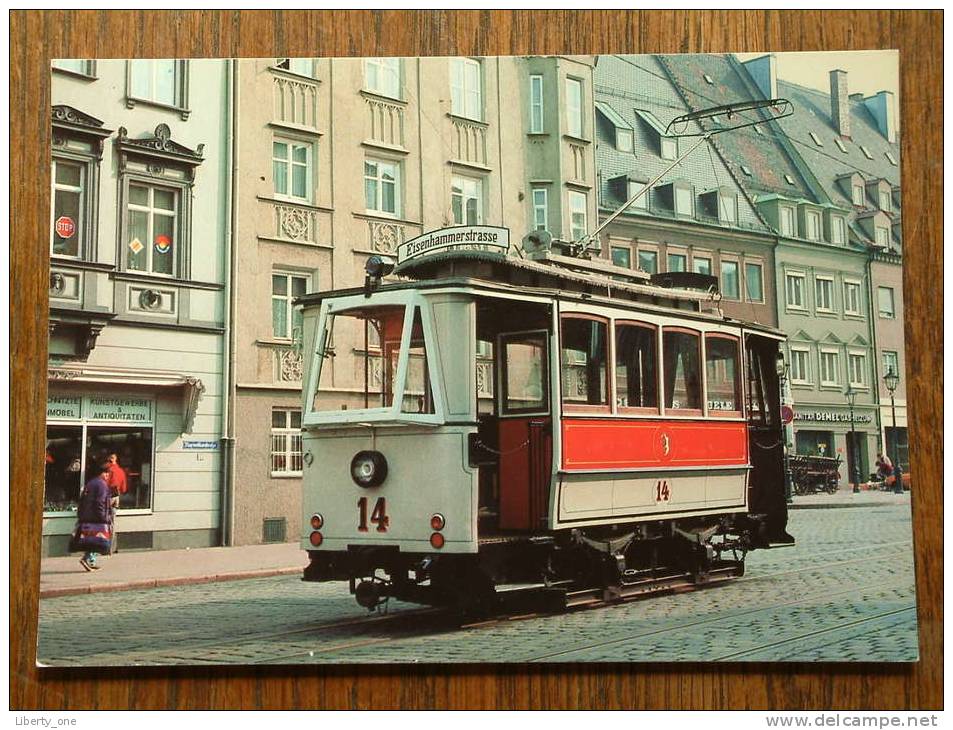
x=382, y=186
x=816, y=139
x=382, y=76
x=677, y=262
x=856, y=369
x=285, y=318
x=584, y=359
x=466, y=200
x=69, y=207
x=787, y=221
x=746, y=170
x=536, y=104
x=800, y=361
x=668, y=148
x=866, y=152
x=466, y=88
x=812, y=219
x=633, y=187
x=701, y=265
x=578, y=213
x=622, y=256
x=540, y=209
x=158, y=81
x=418, y=395
x=285, y=442
x=291, y=169
x=525, y=385
x=882, y=236
x=722, y=375
x=574, y=107
x=891, y=363
x=858, y=194
x=730, y=281
x=300, y=66
x=794, y=289
x=152, y=224
x=681, y=358
x=852, y=297
x=838, y=229
x=754, y=282
x=840, y=145
x=829, y=367
x=789, y=180
x=81, y=66
x=648, y=261
x=885, y=302
x=890, y=158
x=684, y=201
x=885, y=201
x=824, y=294
x=727, y=208
x=636, y=366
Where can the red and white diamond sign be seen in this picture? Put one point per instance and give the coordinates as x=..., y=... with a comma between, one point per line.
x=135, y=245
x=65, y=227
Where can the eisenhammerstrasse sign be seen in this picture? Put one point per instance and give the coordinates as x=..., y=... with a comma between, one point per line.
x=458, y=238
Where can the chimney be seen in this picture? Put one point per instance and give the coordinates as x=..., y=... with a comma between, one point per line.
x=764, y=73
x=840, y=107
x=881, y=107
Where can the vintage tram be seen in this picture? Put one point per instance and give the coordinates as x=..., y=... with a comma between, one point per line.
x=492, y=422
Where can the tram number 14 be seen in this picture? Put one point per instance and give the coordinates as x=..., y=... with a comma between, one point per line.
x=378, y=515
x=662, y=491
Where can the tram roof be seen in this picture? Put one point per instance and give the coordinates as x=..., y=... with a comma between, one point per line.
x=514, y=277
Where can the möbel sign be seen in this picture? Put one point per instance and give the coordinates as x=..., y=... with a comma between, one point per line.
x=489, y=239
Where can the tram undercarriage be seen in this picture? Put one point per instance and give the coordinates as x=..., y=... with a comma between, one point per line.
x=548, y=571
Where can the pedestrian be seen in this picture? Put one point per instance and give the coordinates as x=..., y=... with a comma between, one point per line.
x=94, y=516
x=884, y=466
x=118, y=487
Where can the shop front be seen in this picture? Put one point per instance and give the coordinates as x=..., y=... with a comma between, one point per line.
x=826, y=431
x=93, y=417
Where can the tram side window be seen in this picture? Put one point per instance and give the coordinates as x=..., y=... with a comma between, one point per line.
x=636, y=367
x=721, y=368
x=418, y=396
x=584, y=361
x=524, y=372
x=682, y=363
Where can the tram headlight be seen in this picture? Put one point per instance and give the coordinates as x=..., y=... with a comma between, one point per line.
x=368, y=468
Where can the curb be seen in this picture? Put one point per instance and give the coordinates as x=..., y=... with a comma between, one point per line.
x=841, y=505
x=164, y=582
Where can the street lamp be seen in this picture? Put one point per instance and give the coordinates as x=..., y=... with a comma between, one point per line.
x=892, y=380
x=852, y=446
x=782, y=368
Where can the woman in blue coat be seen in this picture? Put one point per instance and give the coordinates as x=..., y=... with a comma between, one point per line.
x=94, y=507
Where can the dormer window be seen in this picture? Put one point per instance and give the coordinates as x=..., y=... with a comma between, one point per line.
x=812, y=225
x=882, y=237
x=679, y=196
x=634, y=186
x=817, y=140
x=786, y=217
x=857, y=195
x=721, y=204
x=683, y=201
x=866, y=152
x=838, y=229
x=668, y=147
x=840, y=145
x=890, y=159
x=623, y=130
x=885, y=201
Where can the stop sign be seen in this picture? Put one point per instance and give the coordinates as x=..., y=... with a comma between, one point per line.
x=787, y=414
x=65, y=227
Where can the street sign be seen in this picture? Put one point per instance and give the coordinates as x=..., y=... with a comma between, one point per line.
x=65, y=227
x=787, y=415
x=486, y=239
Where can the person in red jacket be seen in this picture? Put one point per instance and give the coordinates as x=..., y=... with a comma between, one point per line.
x=117, y=476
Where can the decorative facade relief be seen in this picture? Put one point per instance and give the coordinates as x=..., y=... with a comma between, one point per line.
x=386, y=122
x=385, y=237
x=288, y=365
x=296, y=102
x=296, y=223
x=468, y=141
x=484, y=376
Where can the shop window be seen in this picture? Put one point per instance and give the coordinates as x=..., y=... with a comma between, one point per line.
x=382, y=186
x=466, y=200
x=681, y=359
x=285, y=442
x=158, y=81
x=814, y=443
x=466, y=88
x=723, y=375
x=584, y=360
x=636, y=367
x=292, y=169
x=74, y=453
x=524, y=372
x=382, y=76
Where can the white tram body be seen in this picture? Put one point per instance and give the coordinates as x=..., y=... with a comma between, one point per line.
x=484, y=423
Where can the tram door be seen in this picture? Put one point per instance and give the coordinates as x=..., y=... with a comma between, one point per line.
x=525, y=429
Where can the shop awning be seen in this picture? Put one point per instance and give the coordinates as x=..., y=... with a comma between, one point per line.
x=192, y=387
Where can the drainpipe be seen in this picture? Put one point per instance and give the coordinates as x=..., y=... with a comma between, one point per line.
x=231, y=297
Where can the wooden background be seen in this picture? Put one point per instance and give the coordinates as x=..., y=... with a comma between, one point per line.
x=37, y=36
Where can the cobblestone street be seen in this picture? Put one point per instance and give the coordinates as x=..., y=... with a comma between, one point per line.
x=844, y=593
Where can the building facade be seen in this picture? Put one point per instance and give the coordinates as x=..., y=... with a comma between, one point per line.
x=139, y=185
x=345, y=158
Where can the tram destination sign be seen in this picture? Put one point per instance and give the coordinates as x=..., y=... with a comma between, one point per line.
x=486, y=239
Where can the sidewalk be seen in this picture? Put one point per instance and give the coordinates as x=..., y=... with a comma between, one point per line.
x=149, y=569
x=845, y=497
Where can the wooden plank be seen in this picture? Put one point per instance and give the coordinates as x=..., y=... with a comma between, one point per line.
x=37, y=36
